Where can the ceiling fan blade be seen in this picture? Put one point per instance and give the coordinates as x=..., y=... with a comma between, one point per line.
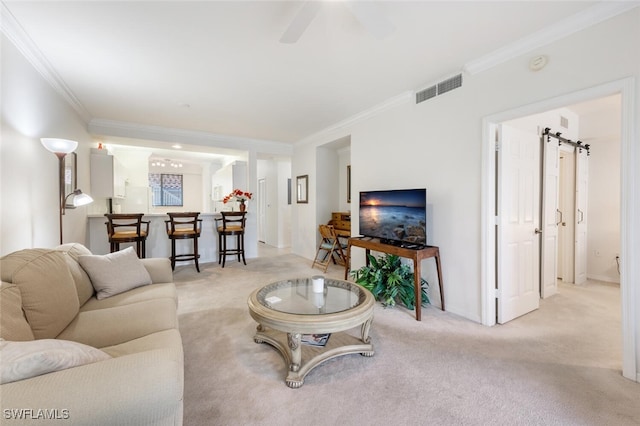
x=298, y=26
x=369, y=14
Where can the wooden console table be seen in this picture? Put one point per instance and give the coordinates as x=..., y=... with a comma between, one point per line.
x=416, y=254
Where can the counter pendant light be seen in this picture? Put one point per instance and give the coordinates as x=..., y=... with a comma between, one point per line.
x=62, y=147
x=164, y=163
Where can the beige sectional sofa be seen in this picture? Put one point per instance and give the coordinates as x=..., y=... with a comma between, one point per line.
x=134, y=377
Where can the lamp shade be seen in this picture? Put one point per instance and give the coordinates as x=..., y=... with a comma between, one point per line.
x=82, y=200
x=59, y=146
x=76, y=199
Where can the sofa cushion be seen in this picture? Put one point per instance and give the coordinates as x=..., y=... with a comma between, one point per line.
x=23, y=360
x=159, y=269
x=13, y=324
x=160, y=340
x=138, y=294
x=81, y=279
x=112, y=326
x=144, y=388
x=115, y=273
x=49, y=297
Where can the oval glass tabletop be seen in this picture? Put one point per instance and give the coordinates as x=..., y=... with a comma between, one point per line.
x=296, y=296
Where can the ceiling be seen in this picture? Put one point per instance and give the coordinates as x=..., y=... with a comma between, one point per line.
x=218, y=66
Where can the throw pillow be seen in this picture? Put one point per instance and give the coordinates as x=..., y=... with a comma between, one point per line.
x=115, y=273
x=23, y=360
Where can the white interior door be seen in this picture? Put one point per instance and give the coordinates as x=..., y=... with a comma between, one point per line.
x=262, y=209
x=518, y=250
x=582, y=180
x=551, y=218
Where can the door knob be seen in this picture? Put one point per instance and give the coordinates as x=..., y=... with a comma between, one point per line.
x=538, y=231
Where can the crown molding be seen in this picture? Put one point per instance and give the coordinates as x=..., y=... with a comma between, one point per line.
x=19, y=37
x=591, y=16
x=123, y=129
x=362, y=116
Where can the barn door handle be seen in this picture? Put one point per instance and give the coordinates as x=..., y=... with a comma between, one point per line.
x=560, y=221
x=581, y=216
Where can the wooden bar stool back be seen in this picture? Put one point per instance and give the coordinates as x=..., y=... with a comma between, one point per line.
x=181, y=226
x=232, y=224
x=127, y=228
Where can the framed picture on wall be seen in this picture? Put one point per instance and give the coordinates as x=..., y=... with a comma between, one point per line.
x=302, y=189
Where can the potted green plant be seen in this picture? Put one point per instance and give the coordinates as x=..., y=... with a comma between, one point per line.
x=390, y=281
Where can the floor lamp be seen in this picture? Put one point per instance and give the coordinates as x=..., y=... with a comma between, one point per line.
x=62, y=147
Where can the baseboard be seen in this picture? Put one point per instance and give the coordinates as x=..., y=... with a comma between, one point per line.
x=604, y=278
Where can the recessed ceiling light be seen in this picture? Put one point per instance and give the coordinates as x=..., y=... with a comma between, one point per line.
x=176, y=146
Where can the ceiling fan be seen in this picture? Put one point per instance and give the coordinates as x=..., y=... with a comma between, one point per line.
x=367, y=13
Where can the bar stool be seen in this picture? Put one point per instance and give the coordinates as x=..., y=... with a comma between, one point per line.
x=233, y=224
x=182, y=226
x=127, y=228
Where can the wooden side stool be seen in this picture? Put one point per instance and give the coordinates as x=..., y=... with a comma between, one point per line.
x=233, y=224
x=182, y=226
x=127, y=228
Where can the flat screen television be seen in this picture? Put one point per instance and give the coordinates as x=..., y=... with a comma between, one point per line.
x=394, y=216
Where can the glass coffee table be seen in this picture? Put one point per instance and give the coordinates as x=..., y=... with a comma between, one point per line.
x=308, y=328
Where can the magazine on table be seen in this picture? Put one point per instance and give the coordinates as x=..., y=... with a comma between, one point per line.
x=315, y=339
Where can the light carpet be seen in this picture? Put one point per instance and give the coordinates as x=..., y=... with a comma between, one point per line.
x=559, y=365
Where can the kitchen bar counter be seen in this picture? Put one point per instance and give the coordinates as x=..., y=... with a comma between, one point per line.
x=158, y=245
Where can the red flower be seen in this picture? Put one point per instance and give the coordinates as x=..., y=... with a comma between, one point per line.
x=237, y=195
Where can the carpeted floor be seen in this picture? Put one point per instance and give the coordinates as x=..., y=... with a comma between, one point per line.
x=559, y=365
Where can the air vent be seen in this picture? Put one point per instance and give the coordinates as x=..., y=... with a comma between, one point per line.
x=440, y=88
x=425, y=94
x=564, y=122
x=449, y=84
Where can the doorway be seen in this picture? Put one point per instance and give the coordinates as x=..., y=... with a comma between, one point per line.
x=628, y=246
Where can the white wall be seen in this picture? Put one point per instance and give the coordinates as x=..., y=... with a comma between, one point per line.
x=327, y=186
x=283, y=207
x=603, y=238
x=29, y=198
x=438, y=144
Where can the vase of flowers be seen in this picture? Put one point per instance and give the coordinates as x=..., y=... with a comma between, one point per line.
x=240, y=196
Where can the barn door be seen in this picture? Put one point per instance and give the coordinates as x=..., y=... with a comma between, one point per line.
x=582, y=180
x=551, y=218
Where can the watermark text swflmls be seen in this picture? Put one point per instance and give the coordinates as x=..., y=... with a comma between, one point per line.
x=35, y=414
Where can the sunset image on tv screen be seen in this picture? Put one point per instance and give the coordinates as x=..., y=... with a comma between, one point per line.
x=398, y=215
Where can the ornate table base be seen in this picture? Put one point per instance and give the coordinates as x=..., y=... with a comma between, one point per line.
x=301, y=358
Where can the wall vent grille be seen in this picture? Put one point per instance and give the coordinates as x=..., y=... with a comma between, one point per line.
x=425, y=94
x=449, y=84
x=443, y=87
x=564, y=122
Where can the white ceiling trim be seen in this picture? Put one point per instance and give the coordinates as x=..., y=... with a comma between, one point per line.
x=104, y=127
x=594, y=15
x=362, y=116
x=18, y=36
